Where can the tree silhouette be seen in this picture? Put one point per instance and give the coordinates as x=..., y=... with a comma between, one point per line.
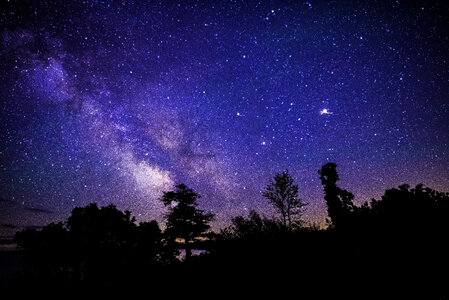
x=403, y=234
x=148, y=242
x=45, y=251
x=184, y=220
x=151, y=246
x=415, y=210
x=100, y=239
x=283, y=194
x=95, y=245
x=253, y=226
x=339, y=201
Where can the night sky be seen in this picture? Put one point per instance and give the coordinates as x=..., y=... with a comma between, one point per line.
x=117, y=101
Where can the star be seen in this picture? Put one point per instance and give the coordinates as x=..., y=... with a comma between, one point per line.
x=325, y=111
x=132, y=103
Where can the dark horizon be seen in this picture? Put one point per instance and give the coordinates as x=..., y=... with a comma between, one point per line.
x=7, y=240
x=394, y=244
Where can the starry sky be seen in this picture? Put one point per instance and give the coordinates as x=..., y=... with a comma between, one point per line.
x=118, y=101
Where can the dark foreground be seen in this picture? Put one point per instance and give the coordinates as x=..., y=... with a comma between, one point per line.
x=10, y=267
x=392, y=248
x=310, y=264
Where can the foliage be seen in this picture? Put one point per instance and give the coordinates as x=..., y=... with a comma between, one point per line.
x=339, y=201
x=405, y=209
x=283, y=195
x=94, y=245
x=253, y=226
x=403, y=234
x=184, y=219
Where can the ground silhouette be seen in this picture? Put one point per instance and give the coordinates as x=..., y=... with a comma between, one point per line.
x=398, y=241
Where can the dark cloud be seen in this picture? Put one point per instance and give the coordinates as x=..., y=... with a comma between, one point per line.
x=11, y=204
x=33, y=227
x=3, y=200
x=11, y=226
x=39, y=210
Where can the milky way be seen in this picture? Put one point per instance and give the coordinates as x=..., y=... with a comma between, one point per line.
x=118, y=101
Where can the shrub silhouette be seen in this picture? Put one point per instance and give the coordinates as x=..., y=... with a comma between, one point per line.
x=46, y=251
x=95, y=246
x=405, y=215
x=101, y=238
x=399, y=237
x=252, y=227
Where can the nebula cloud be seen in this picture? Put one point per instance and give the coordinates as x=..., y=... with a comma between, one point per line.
x=118, y=102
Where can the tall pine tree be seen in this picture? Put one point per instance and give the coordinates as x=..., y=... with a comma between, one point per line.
x=184, y=219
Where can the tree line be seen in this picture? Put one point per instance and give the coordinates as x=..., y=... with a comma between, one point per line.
x=406, y=228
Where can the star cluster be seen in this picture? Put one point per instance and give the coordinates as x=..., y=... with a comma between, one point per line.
x=118, y=101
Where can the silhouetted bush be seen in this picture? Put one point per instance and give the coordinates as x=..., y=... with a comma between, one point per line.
x=96, y=246
x=401, y=237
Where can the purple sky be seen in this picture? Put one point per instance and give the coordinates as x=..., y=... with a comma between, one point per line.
x=116, y=101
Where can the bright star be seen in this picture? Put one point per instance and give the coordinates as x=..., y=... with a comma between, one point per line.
x=325, y=111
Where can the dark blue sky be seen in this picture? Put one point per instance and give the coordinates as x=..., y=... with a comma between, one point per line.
x=117, y=101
